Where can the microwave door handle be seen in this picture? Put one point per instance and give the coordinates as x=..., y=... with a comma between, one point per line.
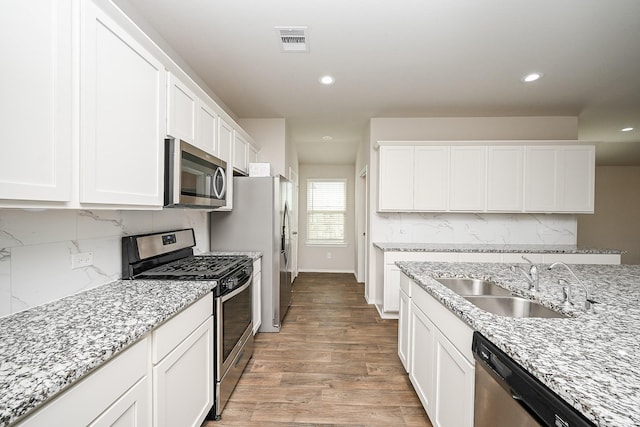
x=219, y=192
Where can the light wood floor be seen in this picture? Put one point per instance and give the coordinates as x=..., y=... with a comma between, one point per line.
x=334, y=363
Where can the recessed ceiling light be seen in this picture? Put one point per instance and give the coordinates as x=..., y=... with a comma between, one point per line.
x=626, y=129
x=532, y=77
x=327, y=138
x=327, y=80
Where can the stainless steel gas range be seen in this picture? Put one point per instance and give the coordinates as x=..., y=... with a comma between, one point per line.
x=169, y=256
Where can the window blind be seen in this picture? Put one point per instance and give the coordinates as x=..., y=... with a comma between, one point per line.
x=326, y=210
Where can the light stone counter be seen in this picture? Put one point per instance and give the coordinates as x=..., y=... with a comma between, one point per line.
x=592, y=360
x=485, y=248
x=46, y=349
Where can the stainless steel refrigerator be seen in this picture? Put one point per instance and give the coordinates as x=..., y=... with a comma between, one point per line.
x=260, y=221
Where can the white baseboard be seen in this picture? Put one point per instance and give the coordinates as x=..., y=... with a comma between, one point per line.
x=384, y=315
x=320, y=270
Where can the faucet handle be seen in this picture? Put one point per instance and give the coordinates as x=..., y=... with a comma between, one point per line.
x=566, y=291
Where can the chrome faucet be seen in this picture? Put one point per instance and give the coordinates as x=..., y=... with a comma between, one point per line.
x=566, y=287
x=532, y=276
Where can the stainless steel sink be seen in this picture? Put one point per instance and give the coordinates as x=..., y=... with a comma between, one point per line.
x=463, y=286
x=512, y=306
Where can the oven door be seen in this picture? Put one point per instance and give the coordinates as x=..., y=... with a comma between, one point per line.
x=193, y=178
x=234, y=340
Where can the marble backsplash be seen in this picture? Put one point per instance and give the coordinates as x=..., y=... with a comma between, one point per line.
x=470, y=228
x=36, y=249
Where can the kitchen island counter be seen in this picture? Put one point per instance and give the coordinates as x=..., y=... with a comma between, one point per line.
x=46, y=349
x=491, y=248
x=589, y=359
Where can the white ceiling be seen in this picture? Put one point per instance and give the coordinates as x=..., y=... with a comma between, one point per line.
x=414, y=58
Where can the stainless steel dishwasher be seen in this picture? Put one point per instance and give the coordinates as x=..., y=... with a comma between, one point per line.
x=508, y=396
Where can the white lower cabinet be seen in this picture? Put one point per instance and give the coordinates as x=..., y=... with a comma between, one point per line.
x=421, y=356
x=256, y=297
x=441, y=365
x=131, y=410
x=454, y=385
x=164, y=380
x=183, y=377
x=404, y=325
x=117, y=394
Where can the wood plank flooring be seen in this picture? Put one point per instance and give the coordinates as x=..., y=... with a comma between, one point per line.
x=334, y=363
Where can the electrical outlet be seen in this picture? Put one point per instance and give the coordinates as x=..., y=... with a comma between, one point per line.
x=329, y=255
x=84, y=259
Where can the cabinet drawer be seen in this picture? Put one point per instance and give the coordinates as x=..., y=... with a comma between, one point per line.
x=173, y=332
x=98, y=391
x=451, y=326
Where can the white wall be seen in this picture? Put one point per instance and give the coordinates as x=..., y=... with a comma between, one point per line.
x=462, y=228
x=36, y=249
x=271, y=134
x=314, y=258
x=614, y=223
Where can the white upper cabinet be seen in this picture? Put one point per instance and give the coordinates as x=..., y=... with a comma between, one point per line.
x=560, y=178
x=208, y=126
x=467, y=178
x=505, y=178
x=182, y=110
x=240, y=154
x=253, y=154
x=579, y=178
x=431, y=183
x=36, y=102
x=123, y=94
x=396, y=178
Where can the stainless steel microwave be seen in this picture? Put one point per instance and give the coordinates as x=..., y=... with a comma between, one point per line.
x=193, y=178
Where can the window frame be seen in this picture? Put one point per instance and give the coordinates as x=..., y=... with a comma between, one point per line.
x=327, y=242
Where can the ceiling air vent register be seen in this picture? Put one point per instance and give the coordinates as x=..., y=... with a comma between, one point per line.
x=293, y=39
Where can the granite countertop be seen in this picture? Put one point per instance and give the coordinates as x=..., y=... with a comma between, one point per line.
x=45, y=349
x=465, y=247
x=251, y=254
x=589, y=359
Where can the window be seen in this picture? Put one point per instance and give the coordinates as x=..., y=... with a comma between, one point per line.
x=326, y=210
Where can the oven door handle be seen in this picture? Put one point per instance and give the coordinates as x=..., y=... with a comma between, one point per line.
x=236, y=291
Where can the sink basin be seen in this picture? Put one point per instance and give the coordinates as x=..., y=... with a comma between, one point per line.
x=473, y=286
x=512, y=306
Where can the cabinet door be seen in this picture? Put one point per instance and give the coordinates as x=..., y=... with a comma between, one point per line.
x=390, y=300
x=240, y=153
x=541, y=185
x=253, y=154
x=256, y=297
x=421, y=358
x=505, y=167
x=578, y=177
x=467, y=178
x=403, y=329
x=35, y=104
x=431, y=178
x=182, y=110
x=454, y=386
x=207, y=124
x=131, y=410
x=395, y=185
x=123, y=115
x=183, y=382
